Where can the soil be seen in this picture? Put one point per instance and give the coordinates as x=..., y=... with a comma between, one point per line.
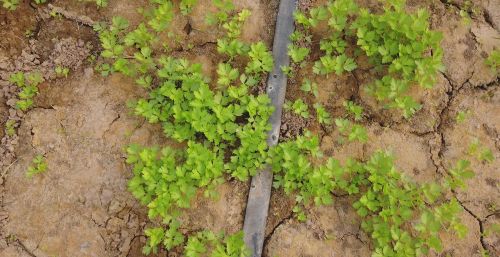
x=81, y=206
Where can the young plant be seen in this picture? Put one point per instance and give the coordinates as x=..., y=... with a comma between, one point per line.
x=354, y=109
x=62, y=71
x=224, y=8
x=187, y=6
x=407, y=104
x=338, y=64
x=233, y=26
x=310, y=87
x=29, y=88
x=28, y=33
x=230, y=44
x=38, y=166
x=462, y=116
x=493, y=60
x=298, y=107
x=334, y=44
x=287, y=70
x=352, y=131
x=162, y=15
x=459, y=174
x=10, y=129
x=227, y=74
x=101, y=3
x=322, y=115
x=261, y=60
x=316, y=15
x=481, y=153
x=298, y=54
x=206, y=243
x=10, y=5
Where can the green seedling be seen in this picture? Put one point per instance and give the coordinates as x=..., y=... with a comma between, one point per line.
x=162, y=16
x=353, y=132
x=28, y=33
x=298, y=54
x=322, y=115
x=484, y=253
x=297, y=36
x=206, y=243
x=224, y=8
x=38, y=166
x=407, y=104
x=227, y=74
x=316, y=15
x=482, y=154
x=29, y=88
x=462, y=116
x=230, y=44
x=310, y=87
x=101, y=3
x=338, y=64
x=493, y=60
x=186, y=6
x=10, y=5
x=62, y=71
x=298, y=107
x=10, y=129
x=333, y=44
x=287, y=70
x=354, y=109
x=261, y=60
x=387, y=201
x=233, y=26
x=459, y=174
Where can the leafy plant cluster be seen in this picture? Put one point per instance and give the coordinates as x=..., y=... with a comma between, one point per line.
x=206, y=243
x=223, y=127
x=400, y=45
x=403, y=218
x=28, y=83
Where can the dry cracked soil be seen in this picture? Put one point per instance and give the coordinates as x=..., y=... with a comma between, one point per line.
x=81, y=206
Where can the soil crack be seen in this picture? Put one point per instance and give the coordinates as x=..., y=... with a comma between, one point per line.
x=24, y=248
x=479, y=221
x=268, y=237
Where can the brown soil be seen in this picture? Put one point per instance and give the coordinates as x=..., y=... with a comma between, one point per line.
x=81, y=206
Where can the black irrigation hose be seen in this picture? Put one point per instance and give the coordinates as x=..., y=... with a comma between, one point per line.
x=260, y=190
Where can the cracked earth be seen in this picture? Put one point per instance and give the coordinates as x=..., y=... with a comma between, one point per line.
x=81, y=206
